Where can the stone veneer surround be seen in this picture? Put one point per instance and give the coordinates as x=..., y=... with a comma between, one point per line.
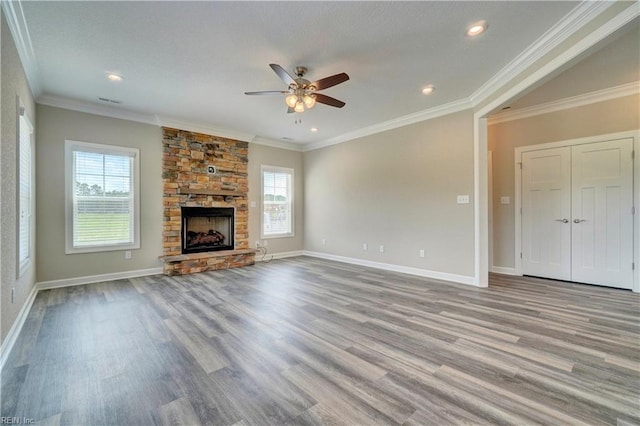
x=186, y=156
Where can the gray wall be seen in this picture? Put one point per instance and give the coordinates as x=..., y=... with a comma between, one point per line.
x=14, y=86
x=264, y=155
x=615, y=63
x=53, y=127
x=612, y=116
x=56, y=124
x=398, y=189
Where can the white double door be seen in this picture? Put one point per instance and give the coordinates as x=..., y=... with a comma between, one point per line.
x=577, y=220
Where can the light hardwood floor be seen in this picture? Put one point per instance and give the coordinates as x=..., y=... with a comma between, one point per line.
x=309, y=341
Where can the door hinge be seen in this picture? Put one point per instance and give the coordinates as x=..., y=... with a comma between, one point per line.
x=633, y=210
x=520, y=210
x=633, y=155
x=520, y=255
x=633, y=266
x=520, y=164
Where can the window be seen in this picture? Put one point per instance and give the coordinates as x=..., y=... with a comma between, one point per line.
x=103, y=200
x=25, y=192
x=277, y=202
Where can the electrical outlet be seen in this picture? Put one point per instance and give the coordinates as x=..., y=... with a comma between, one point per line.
x=463, y=199
x=324, y=241
x=365, y=247
x=13, y=295
x=421, y=253
x=258, y=244
x=381, y=249
x=127, y=255
x=252, y=204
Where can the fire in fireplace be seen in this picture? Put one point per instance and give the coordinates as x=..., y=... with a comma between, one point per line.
x=207, y=229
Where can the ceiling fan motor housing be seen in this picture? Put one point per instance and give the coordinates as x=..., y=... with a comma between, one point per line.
x=301, y=92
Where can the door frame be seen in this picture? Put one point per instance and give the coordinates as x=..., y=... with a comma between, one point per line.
x=635, y=135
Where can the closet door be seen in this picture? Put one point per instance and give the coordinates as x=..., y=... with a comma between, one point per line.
x=546, y=213
x=602, y=220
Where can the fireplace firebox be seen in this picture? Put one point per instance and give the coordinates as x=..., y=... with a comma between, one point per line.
x=207, y=229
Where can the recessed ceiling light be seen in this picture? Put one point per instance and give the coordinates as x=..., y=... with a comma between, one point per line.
x=477, y=28
x=114, y=77
x=428, y=89
x=314, y=129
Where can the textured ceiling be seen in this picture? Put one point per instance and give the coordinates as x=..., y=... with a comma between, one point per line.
x=192, y=61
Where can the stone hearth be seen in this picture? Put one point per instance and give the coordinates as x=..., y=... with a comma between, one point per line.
x=201, y=170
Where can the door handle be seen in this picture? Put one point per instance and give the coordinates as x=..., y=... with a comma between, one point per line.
x=562, y=220
x=579, y=220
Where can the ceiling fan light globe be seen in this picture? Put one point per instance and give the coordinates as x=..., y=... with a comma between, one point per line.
x=291, y=100
x=309, y=101
x=299, y=107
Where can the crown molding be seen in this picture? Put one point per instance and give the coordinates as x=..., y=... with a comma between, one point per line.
x=573, y=21
x=91, y=108
x=291, y=146
x=18, y=26
x=567, y=103
x=438, y=111
x=205, y=128
x=606, y=29
x=552, y=38
x=153, y=119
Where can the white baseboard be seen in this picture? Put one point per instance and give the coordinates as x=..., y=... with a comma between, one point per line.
x=16, y=328
x=68, y=282
x=445, y=276
x=282, y=255
x=503, y=270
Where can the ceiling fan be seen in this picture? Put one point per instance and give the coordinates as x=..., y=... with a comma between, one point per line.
x=302, y=93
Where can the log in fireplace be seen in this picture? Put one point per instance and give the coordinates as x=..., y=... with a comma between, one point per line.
x=207, y=229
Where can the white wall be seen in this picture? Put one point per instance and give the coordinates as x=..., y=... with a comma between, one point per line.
x=14, y=85
x=398, y=189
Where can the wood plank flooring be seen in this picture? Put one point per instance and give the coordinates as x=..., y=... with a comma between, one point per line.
x=308, y=341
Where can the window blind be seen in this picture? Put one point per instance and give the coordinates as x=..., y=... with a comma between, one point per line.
x=24, y=191
x=103, y=197
x=277, y=201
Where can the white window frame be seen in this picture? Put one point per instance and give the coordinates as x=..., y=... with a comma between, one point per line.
x=70, y=147
x=276, y=169
x=25, y=147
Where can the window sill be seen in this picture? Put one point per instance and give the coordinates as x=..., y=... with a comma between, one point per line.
x=99, y=249
x=272, y=237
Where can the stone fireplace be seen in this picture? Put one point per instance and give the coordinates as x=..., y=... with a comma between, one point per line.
x=206, y=214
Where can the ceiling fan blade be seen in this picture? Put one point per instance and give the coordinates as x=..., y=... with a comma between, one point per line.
x=328, y=100
x=290, y=110
x=325, y=83
x=283, y=74
x=267, y=92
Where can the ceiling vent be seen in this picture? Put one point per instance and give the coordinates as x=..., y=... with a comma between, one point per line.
x=112, y=101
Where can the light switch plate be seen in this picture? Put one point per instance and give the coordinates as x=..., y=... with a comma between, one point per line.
x=463, y=199
x=505, y=200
